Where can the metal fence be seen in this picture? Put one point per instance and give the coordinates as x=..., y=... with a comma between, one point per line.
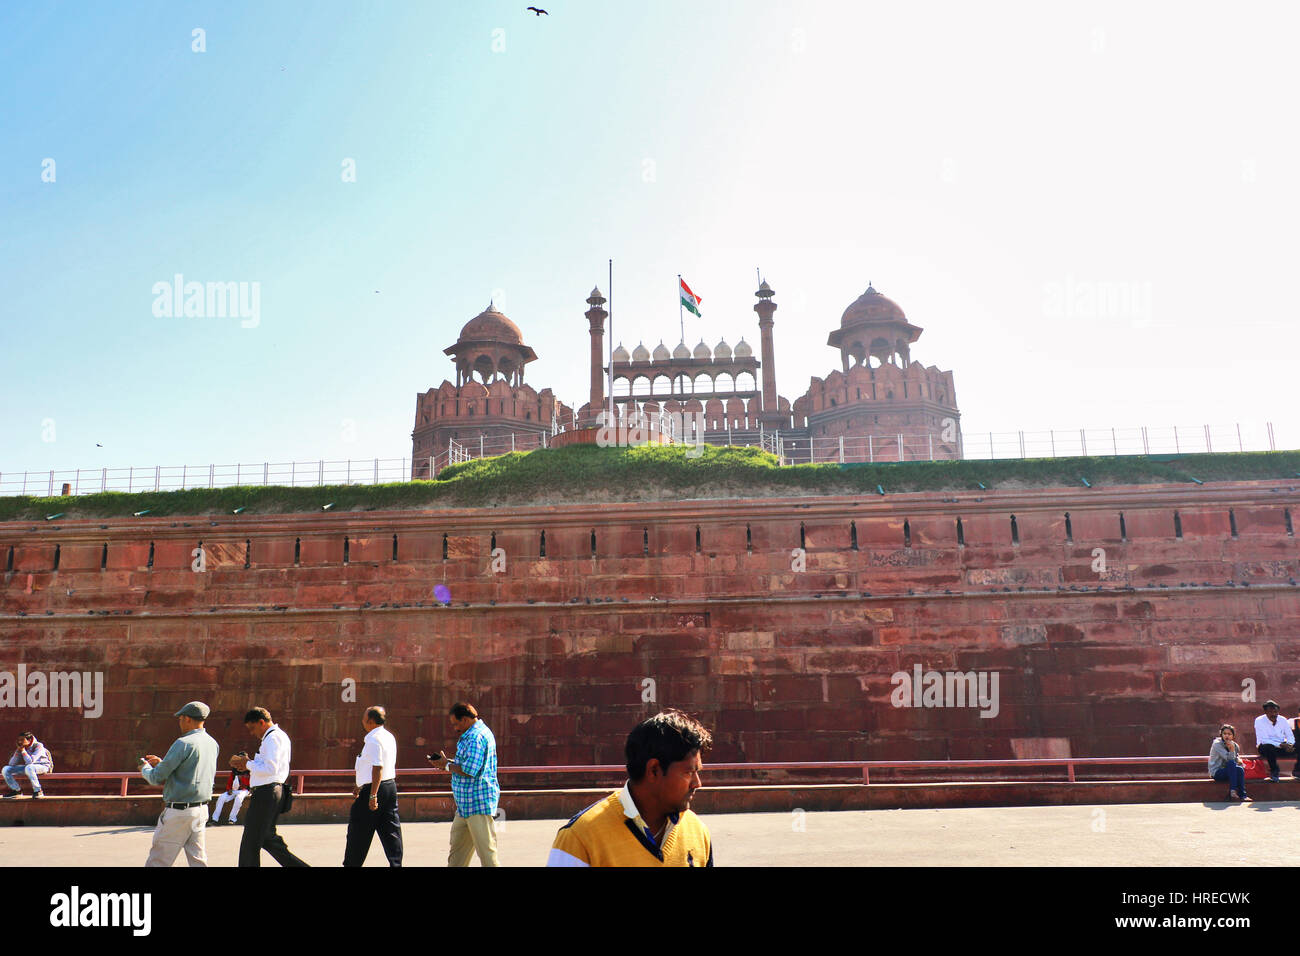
x=791, y=448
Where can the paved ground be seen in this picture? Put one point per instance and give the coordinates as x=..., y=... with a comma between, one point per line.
x=1191, y=834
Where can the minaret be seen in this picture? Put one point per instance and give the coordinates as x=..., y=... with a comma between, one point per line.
x=596, y=318
x=771, y=415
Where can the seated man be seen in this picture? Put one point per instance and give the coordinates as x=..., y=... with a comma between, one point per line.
x=31, y=758
x=1273, y=736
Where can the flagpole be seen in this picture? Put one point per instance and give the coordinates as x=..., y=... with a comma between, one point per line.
x=610, y=422
x=681, y=318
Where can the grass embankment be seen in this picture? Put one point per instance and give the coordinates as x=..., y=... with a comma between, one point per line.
x=585, y=473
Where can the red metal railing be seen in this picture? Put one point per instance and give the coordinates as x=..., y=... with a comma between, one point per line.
x=864, y=766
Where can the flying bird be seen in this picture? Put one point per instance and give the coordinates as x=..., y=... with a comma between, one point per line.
x=537, y=12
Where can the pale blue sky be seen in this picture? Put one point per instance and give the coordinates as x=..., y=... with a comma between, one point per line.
x=987, y=166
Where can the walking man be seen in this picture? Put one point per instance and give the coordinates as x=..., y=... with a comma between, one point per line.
x=267, y=772
x=31, y=758
x=475, y=789
x=375, y=808
x=185, y=775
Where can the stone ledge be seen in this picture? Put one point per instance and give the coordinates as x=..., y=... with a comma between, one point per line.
x=428, y=806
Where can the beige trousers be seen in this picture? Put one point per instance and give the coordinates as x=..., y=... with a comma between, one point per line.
x=177, y=830
x=468, y=834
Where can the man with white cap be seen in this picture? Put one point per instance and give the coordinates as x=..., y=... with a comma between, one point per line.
x=186, y=775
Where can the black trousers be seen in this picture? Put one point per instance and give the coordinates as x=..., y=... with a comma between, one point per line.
x=1271, y=752
x=364, y=823
x=259, y=829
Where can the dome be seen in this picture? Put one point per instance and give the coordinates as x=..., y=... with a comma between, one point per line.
x=722, y=350
x=871, y=306
x=681, y=352
x=620, y=353
x=743, y=350
x=640, y=353
x=491, y=326
x=702, y=351
x=661, y=353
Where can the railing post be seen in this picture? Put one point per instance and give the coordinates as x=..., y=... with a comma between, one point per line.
x=320, y=473
x=871, y=450
x=1069, y=768
x=212, y=474
x=1208, y=446
x=900, y=447
x=24, y=482
x=76, y=488
x=124, y=780
x=293, y=473
x=266, y=472
x=931, y=437
x=157, y=476
x=130, y=478
x=1114, y=442
x=480, y=444
x=866, y=776
x=1271, y=446
x=349, y=481
x=512, y=441
x=1083, y=442
x=1146, y=445
x=184, y=469
x=302, y=782
x=841, y=449
x=103, y=480
x=1177, y=450
x=1239, y=447
x=1051, y=433
x=238, y=474
x=990, y=446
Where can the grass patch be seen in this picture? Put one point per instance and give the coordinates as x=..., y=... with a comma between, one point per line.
x=586, y=473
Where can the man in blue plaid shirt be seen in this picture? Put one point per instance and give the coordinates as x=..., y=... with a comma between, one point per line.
x=474, y=786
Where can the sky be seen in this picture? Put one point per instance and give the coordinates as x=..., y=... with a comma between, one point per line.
x=1090, y=210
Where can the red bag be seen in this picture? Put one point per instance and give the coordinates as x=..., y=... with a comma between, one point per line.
x=1256, y=768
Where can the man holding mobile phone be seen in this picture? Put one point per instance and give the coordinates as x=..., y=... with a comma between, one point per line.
x=185, y=774
x=473, y=786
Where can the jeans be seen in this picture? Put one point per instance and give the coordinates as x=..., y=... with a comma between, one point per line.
x=31, y=770
x=1234, y=776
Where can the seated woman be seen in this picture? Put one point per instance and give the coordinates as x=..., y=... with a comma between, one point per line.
x=1226, y=765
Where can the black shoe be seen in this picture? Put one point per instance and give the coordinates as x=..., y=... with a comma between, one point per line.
x=11, y=794
x=1273, y=779
x=38, y=794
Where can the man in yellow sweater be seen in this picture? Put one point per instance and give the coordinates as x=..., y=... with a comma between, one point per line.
x=649, y=822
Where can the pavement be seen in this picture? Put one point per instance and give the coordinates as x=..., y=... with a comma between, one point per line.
x=1170, y=834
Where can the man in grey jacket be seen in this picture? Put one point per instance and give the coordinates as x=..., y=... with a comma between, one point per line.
x=185, y=775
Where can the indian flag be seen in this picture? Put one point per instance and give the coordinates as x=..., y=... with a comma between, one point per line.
x=689, y=299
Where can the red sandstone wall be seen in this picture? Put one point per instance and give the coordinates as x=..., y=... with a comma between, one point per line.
x=783, y=664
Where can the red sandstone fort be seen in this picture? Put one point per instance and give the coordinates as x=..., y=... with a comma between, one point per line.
x=880, y=390
x=1195, y=599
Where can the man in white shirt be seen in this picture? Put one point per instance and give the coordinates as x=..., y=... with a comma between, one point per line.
x=375, y=808
x=268, y=772
x=1273, y=736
